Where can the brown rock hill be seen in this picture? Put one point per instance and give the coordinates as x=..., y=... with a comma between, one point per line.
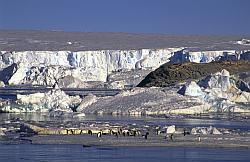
x=169, y=74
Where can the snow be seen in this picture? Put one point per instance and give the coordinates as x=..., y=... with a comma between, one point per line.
x=46, y=67
x=209, y=56
x=205, y=130
x=34, y=98
x=2, y=132
x=2, y=84
x=219, y=80
x=18, y=76
x=120, y=68
x=191, y=89
x=56, y=102
x=88, y=65
x=171, y=129
x=243, y=42
x=219, y=93
x=145, y=101
x=88, y=100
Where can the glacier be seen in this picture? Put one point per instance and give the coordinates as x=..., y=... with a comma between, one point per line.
x=85, y=65
x=118, y=69
x=50, y=67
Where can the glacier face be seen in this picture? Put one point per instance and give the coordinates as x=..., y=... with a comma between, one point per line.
x=49, y=67
x=89, y=65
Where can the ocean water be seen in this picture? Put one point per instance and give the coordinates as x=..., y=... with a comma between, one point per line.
x=77, y=153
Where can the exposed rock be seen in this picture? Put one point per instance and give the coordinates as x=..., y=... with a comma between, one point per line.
x=6, y=73
x=243, y=82
x=169, y=74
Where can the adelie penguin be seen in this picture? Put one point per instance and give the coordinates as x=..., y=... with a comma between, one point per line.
x=146, y=135
x=99, y=135
x=90, y=132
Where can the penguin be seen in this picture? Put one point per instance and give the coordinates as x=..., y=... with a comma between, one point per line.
x=99, y=134
x=146, y=135
x=134, y=133
x=90, y=132
x=199, y=138
x=172, y=137
x=116, y=134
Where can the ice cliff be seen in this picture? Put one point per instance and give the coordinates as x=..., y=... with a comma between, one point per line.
x=88, y=65
x=74, y=69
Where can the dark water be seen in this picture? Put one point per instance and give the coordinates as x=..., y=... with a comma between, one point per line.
x=76, y=153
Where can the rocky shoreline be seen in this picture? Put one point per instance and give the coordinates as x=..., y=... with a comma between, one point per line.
x=91, y=134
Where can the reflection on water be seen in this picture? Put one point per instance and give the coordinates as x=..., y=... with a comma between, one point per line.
x=233, y=124
x=76, y=153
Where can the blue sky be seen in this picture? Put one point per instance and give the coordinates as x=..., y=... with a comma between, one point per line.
x=139, y=16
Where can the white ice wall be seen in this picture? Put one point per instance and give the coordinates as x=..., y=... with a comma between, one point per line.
x=97, y=65
x=91, y=65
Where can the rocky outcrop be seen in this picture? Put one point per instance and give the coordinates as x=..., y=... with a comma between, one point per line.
x=169, y=74
x=6, y=73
